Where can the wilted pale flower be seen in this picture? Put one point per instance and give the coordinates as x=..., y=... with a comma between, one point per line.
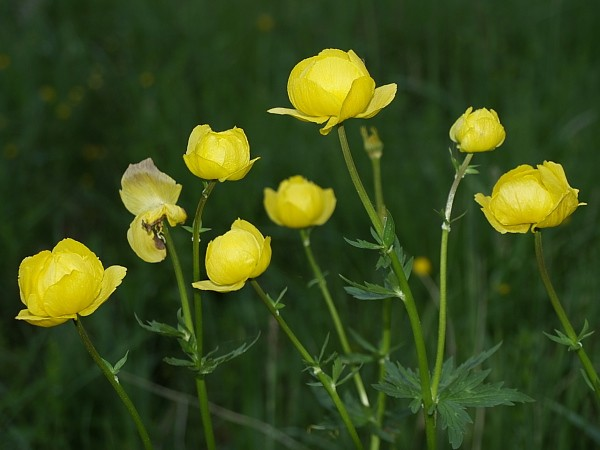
x=58, y=285
x=223, y=155
x=332, y=87
x=478, y=131
x=526, y=199
x=234, y=257
x=151, y=196
x=299, y=203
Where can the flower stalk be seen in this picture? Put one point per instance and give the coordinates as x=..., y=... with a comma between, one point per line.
x=189, y=323
x=333, y=312
x=325, y=380
x=588, y=367
x=112, y=379
x=443, y=311
x=409, y=302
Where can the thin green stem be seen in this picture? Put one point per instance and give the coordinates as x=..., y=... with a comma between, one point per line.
x=588, y=367
x=442, y=321
x=181, y=284
x=112, y=379
x=198, y=315
x=409, y=302
x=325, y=380
x=197, y=225
x=189, y=323
x=333, y=312
x=387, y=304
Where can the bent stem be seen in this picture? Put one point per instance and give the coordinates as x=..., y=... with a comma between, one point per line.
x=189, y=323
x=439, y=360
x=112, y=379
x=325, y=380
x=588, y=367
x=409, y=302
x=335, y=317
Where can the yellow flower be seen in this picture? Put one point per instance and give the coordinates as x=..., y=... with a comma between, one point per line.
x=234, y=257
x=299, y=203
x=151, y=196
x=223, y=155
x=526, y=199
x=422, y=266
x=478, y=131
x=58, y=285
x=332, y=87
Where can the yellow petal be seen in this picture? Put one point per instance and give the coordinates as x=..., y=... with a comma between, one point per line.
x=42, y=321
x=208, y=285
x=382, y=97
x=144, y=187
x=271, y=206
x=145, y=242
x=264, y=260
x=113, y=276
x=358, y=98
x=72, y=293
x=298, y=115
x=329, y=202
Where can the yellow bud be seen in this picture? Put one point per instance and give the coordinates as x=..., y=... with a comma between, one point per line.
x=526, y=199
x=234, y=257
x=299, y=203
x=332, y=87
x=223, y=155
x=58, y=285
x=478, y=131
x=422, y=266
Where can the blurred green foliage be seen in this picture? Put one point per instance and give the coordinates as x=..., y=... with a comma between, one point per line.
x=87, y=88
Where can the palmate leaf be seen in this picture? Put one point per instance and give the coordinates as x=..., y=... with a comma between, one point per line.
x=460, y=388
x=369, y=291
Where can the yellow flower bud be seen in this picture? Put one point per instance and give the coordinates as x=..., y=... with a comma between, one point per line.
x=234, y=257
x=223, y=155
x=526, y=199
x=58, y=285
x=151, y=196
x=299, y=203
x=422, y=266
x=332, y=87
x=478, y=131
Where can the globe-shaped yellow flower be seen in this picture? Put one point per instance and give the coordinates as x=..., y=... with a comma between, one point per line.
x=299, y=203
x=223, y=155
x=478, y=131
x=528, y=198
x=234, y=257
x=58, y=285
x=332, y=87
x=151, y=196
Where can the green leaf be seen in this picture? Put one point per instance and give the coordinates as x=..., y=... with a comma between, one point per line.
x=191, y=229
x=401, y=382
x=369, y=291
x=161, y=328
x=455, y=419
x=389, y=231
x=359, y=243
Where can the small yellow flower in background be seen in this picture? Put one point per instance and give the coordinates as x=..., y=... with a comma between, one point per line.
x=526, y=199
x=58, y=285
x=332, y=87
x=478, y=131
x=422, y=266
x=223, y=155
x=299, y=203
x=234, y=257
x=151, y=196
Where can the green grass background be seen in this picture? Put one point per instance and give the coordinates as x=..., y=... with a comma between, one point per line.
x=87, y=88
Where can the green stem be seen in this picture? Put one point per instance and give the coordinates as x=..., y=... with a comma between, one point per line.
x=198, y=315
x=335, y=317
x=112, y=379
x=189, y=323
x=439, y=360
x=325, y=380
x=386, y=310
x=409, y=302
x=588, y=367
